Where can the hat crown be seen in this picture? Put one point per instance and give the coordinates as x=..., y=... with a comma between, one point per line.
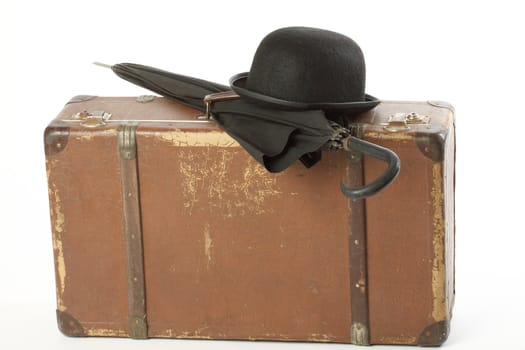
x=308, y=65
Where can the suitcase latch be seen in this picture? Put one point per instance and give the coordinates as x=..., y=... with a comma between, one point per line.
x=401, y=121
x=92, y=119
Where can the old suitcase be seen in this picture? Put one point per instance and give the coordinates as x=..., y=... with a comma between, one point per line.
x=163, y=226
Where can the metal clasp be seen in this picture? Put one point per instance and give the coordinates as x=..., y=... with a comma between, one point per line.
x=92, y=119
x=217, y=97
x=415, y=118
x=400, y=121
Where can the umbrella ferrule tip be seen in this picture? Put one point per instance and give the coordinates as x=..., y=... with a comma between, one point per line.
x=100, y=64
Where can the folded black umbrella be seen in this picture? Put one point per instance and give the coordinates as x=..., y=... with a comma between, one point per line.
x=186, y=90
x=283, y=110
x=275, y=138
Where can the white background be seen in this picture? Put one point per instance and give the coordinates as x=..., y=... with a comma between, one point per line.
x=468, y=53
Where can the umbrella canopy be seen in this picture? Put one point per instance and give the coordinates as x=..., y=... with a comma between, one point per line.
x=276, y=138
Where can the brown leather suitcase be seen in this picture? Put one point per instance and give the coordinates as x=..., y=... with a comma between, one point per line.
x=163, y=226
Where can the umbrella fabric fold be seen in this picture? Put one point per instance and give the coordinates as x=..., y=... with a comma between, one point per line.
x=186, y=90
x=276, y=138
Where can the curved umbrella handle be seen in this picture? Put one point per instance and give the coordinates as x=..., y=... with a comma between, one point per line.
x=375, y=151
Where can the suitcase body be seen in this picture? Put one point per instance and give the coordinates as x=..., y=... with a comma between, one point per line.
x=163, y=226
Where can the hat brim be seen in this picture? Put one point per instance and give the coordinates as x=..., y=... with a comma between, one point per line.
x=238, y=84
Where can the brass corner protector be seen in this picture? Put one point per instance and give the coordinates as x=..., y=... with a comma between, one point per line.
x=68, y=325
x=359, y=334
x=435, y=334
x=55, y=139
x=432, y=145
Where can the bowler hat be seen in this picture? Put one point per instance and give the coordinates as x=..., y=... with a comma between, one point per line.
x=307, y=68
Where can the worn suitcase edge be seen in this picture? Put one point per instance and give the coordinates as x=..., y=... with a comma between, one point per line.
x=434, y=146
x=81, y=98
x=55, y=140
x=71, y=327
